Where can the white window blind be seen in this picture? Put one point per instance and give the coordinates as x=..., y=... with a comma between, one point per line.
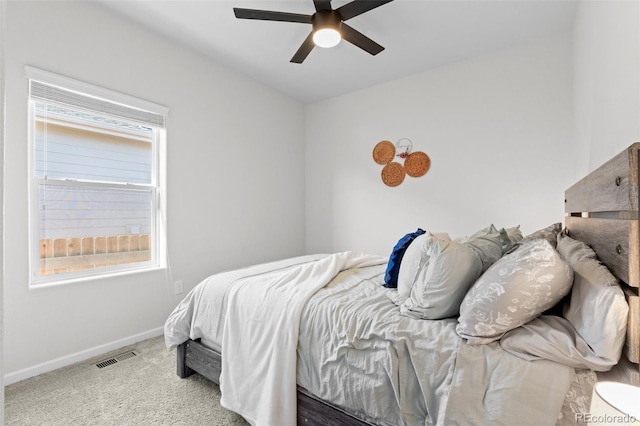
x=50, y=93
x=97, y=169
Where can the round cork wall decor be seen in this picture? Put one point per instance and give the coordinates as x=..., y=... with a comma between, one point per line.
x=417, y=164
x=393, y=174
x=384, y=152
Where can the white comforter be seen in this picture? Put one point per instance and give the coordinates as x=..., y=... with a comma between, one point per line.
x=261, y=331
x=355, y=350
x=202, y=312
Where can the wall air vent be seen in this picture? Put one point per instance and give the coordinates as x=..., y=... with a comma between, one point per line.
x=116, y=359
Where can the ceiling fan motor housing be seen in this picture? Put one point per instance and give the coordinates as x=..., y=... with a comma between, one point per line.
x=326, y=19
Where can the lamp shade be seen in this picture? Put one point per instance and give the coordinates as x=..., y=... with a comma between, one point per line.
x=326, y=37
x=613, y=404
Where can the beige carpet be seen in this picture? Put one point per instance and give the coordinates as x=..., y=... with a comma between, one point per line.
x=140, y=390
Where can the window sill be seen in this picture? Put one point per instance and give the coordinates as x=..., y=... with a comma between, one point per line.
x=43, y=283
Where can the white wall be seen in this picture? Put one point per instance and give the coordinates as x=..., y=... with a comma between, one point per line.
x=498, y=130
x=235, y=178
x=606, y=80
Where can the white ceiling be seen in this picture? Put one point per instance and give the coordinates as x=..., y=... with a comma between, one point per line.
x=417, y=35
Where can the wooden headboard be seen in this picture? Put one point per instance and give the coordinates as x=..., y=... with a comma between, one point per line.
x=603, y=211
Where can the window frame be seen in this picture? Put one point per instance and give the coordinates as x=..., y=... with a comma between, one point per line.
x=158, y=247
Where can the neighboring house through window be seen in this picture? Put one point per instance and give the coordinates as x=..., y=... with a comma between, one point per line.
x=97, y=181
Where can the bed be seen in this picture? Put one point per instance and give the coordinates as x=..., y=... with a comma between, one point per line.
x=363, y=352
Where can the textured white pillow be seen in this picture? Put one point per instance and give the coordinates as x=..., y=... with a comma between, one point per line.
x=515, y=290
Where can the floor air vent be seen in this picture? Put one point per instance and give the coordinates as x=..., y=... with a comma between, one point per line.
x=116, y=359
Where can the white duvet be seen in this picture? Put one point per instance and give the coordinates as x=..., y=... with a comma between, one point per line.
x=261, y=332
x=330, y=317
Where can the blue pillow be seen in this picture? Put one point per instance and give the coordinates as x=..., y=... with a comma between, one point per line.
x=393, y=267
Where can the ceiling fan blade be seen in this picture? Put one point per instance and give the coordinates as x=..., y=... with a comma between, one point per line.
x=322, y=5
x=304, y=50
x=358, y=39
x=358, y=7
x=268, y=15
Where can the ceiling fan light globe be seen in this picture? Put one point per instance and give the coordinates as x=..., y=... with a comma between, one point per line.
x=326, y=37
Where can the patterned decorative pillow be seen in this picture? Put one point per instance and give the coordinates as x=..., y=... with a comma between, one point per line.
x=516, y=289
x=393, y=267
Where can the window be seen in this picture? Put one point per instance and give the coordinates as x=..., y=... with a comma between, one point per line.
x=97, y=181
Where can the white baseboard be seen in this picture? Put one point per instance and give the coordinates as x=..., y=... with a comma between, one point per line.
x=64, y=361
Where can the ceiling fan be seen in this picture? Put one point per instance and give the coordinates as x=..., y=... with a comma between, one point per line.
x=328, y=26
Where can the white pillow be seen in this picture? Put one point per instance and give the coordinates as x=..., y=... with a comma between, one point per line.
x=415, y=257
x=554, y=338
x=445, y=272
x=598, y=309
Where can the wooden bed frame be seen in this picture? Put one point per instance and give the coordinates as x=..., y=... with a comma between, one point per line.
x=602, y=209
